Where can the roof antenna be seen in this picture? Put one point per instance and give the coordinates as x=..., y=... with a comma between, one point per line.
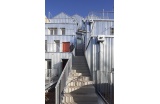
x=48, y=15
x=103, y=13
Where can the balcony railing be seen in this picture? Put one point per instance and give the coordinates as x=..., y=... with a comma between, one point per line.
x=101, y=15
x=63, y=79
x=62, y=20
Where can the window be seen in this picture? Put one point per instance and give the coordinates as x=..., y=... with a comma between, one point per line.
x=63, y=31
x=45, y=45
x=53, y=31
x=49, y=64
x=56, y=45
x=112, y=31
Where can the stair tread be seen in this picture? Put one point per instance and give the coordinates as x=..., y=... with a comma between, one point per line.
x=81, y=103
x=89, y=86
x=80, y=95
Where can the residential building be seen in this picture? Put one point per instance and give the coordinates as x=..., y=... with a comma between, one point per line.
x=86, y=74
x=60, y=33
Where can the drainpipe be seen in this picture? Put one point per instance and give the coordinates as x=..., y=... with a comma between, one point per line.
x=100, y=60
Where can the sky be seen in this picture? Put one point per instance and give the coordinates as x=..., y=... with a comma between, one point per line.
x=80, y=7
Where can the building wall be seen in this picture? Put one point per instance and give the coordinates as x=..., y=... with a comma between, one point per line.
x=59, y=21
x=102, y=27
x=70, y=29
x=62, y=38
x=56, y=59
x=100, y=57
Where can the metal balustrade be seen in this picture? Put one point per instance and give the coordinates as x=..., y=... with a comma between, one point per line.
x=63, y=79
x=101, y=15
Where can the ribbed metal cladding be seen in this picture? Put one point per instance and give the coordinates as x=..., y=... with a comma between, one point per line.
x=61, y=38
x=70, y=29
x=56, y=59
x=103, y=27
x=100, y=59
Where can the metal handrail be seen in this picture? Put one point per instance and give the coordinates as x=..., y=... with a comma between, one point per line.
x=63, y=79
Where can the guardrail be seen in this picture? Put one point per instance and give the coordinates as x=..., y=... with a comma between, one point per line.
x=48, y=78
x=101, y=15
x=63, y=79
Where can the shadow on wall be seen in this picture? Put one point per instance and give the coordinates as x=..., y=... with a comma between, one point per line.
x=57, y=69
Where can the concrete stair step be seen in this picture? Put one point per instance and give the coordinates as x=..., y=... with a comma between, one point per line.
x=79, y=83
x=79, y=74
x=79, y=71
x=91, y=97
x=80, y=68
x=77, y=58
x=80, y=90
x=81, y=103
x=80, y=60
x=85, y=67
x=79, y=65
x=79, y=78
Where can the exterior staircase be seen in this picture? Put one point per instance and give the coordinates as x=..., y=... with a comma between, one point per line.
x=79, y=89
x=79, y=52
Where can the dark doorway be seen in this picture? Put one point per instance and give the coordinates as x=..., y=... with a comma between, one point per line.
x=64, y=62
x=49, y=64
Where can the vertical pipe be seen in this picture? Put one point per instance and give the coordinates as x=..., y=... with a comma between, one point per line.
x=101, y=64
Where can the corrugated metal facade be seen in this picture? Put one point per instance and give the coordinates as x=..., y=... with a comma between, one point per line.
x=70, y=29
x=62, y=38
x=59, y=21
x=100, y=57
x=102, y=27
x=56, y=59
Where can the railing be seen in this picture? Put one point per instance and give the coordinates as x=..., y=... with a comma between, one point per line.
x=48, y=77
x=62, y=20
x=101, y=15
x=63, y=79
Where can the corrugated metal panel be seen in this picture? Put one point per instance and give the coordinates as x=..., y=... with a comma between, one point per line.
x=62, y=38
x=100, y=60
x=102, y=27
x=56, y=59
x=62, y=18
x=70, y=29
